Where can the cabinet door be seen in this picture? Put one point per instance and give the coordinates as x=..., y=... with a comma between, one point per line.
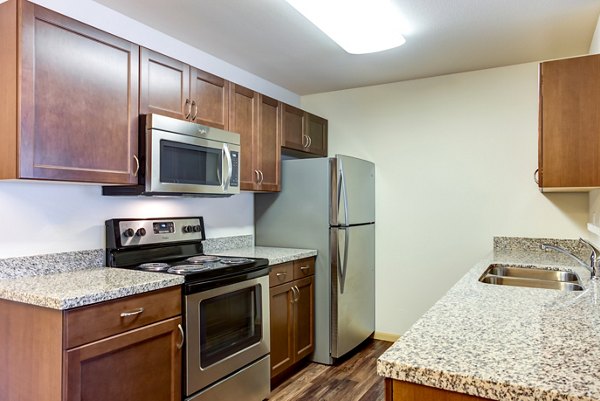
x=79, y=101
x=242, y=119
x=210, y=97
x=268, y=149
x=569, y=144
x=317, y=135
x=138, y=365
x=304, y=318
x=281, y=314
x=293, y=128
x=164, y=85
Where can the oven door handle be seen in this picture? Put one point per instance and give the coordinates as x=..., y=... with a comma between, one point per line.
x=227, y=181
x=180, y=345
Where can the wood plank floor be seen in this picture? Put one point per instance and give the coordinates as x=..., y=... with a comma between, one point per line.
x=354, y=379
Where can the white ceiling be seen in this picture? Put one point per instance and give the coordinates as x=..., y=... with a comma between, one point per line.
x=270, y=39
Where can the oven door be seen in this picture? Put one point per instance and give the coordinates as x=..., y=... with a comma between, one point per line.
x=227, y=328
x=178, y=163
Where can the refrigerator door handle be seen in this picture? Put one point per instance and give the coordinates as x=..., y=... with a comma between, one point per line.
x=343, y=267
x=342, y=189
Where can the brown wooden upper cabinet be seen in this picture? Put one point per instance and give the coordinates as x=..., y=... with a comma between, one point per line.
x=68, y=99
x=303, y=132
x=173, y=88
x=569, y=124
x=256, y=118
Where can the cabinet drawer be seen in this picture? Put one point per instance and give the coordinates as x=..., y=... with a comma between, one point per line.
x=93, y=322
x=281, y=273
x=304, y=268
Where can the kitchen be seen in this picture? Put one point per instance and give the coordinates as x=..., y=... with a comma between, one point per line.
x=487, y=117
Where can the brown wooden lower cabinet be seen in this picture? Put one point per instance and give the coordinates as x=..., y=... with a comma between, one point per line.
x=140, y=360
x=292, y=313
x=396, y=390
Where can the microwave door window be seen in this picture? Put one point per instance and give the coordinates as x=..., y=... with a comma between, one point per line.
x=182, y=163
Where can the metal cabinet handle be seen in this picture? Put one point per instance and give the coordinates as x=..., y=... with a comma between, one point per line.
x=257, y=176
x=536, y=176
x=304, y=138
x=195, y=107
x=180, y=345
x=297, y=293
x=133, y=312
x=187, y=109
x=262, y=176
x=294, y=298
x=281, y=274
x=309, y=141
x=304, y=268
x=137, y=165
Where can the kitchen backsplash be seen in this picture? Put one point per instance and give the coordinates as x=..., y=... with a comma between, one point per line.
x=52, y=263
x=531, y=252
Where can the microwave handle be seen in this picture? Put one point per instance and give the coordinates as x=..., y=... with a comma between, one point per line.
x=227, y=181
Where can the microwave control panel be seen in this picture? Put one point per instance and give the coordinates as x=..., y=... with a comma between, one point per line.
x=235, y=162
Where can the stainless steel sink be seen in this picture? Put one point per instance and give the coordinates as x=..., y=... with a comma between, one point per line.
x=530, y=277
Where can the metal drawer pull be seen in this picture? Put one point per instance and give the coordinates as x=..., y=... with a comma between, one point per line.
x=282, y=274
x=305, y=268
x=132, y=313
x=180, y=345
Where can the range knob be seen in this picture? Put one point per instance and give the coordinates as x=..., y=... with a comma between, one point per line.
x=129, y=232
x=187, y=229
x=140, y=232
x=197, y=228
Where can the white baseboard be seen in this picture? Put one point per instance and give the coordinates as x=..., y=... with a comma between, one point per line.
x=378, y=335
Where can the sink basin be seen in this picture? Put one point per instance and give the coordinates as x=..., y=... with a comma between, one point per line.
x=530, y=277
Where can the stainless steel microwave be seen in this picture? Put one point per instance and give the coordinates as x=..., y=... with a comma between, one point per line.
x=183, y=158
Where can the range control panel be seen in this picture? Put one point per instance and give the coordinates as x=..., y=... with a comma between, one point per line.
x=131, y=232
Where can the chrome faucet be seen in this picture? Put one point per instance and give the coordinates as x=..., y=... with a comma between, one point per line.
x=593, y=267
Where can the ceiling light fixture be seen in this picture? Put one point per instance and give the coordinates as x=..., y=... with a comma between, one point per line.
x=358, y=26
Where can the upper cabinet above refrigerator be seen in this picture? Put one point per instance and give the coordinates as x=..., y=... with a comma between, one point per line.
x=352, y=191
x=303, y=134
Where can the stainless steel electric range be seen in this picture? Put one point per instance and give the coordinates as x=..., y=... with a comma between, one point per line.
x=226, y=304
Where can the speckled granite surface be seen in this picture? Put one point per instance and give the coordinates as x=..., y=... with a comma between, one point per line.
x=39, y=265
x=71, y=279
x=506, y=343
x=83, y=287
x=275, y=255
x=212, y=245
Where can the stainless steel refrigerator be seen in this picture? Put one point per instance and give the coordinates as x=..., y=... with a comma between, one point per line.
x=328, y=204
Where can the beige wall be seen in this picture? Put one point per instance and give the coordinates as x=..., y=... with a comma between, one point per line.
x=455, y=158
x=595, y=45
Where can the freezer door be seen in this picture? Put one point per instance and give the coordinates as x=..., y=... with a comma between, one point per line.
x=352, y=191
x=352, y=286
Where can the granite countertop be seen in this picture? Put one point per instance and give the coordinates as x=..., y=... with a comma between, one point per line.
x=71, y=279
x=506, y=343
x=71, y=289
x=274, y=254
